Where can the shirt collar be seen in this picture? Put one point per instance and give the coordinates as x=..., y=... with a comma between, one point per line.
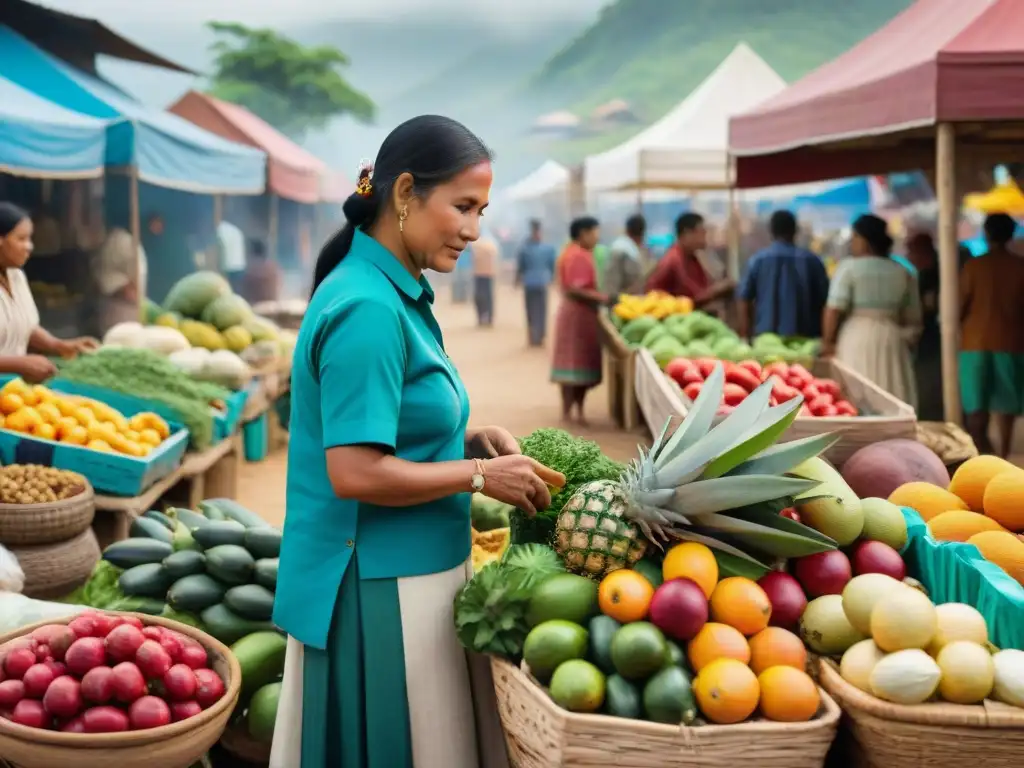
x=365, y=247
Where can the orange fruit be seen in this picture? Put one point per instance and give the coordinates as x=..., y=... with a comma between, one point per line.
x=99, y=445
x=788, y=695
x=49, y=412
x=76, y=435
x=727, y=691
x=717, y=641
x=45, y=431
x=741, y=603
x=692, y=561
x=64, y=425
x=11, y=402
x=149, y=437
x=625, y=595
x=775, y=646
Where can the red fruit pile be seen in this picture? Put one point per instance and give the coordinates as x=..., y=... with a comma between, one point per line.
x=822, y=397
x=103, y=674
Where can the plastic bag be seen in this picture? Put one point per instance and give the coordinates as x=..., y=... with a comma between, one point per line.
x=17, y=611
x=12, y=578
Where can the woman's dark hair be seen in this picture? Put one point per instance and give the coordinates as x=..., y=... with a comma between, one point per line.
x=876, y=232
x=687, y=222
x=432, y=148
x=10, y=217
x=636, y=225
x=581, y=225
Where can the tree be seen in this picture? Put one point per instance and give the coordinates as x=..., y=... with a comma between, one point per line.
x=293, y=87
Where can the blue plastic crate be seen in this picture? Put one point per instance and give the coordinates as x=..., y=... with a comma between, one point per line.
x=224, y=425
x=256, y=438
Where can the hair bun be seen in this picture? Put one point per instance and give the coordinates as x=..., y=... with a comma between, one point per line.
x=360, y=209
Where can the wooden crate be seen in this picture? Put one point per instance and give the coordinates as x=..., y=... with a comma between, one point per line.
x=886, y=417
x=620, y=374
x=658, y=396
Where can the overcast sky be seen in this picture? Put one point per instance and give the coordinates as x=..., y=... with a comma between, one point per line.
x=141, y=13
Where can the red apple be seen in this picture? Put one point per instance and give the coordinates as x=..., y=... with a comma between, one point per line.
x=878, y=557
x=679, y=608
x=692, y=390
x=828, y=410
x=753, y=366
x=786, y=596
x=784, y=393
x=797, y=371
x=733, y=394
x=737, y=374
x=825, y=573
x=819, y=402
x=779, y=369
x=706, y=365
x=678, y=369
x=810, y=392
x=845, y=408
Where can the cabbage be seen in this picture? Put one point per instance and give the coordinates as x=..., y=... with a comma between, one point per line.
x=226, y=369
x=162, y=340
x=192, y=361
x=124, y=335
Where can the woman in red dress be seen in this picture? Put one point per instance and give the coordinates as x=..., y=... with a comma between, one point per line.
x=577, y=358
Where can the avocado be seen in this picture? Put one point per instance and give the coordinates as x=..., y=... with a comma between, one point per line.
x=622, y=698
x=668, y=697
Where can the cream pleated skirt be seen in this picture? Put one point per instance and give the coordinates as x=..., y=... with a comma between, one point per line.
x=394, y=689
x=875, y=346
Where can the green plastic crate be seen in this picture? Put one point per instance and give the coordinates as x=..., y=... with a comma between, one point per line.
x=957, y=573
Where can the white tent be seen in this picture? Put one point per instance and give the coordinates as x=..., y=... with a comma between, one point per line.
x=688, y=149
x=550, y=177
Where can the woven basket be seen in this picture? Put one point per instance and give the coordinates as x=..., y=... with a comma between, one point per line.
x=53, y=571
x=32, y=524
x=239, y=743
x=178, y=745
x=988, y=735
x=540, y=734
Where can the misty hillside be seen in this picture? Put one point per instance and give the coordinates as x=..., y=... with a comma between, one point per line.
x=654, y=52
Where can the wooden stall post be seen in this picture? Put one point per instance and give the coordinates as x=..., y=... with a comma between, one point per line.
x=949, y=259
x=135, y=225
x=272, y=227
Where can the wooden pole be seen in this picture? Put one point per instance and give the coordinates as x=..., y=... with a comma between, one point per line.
x=218, y=210
x=949, y=267
x=135, y=226
x=272, y=226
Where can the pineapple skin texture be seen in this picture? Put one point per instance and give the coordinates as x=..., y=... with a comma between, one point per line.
x=593, y=535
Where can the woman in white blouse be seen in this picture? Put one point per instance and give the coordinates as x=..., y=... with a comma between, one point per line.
x=23, y=343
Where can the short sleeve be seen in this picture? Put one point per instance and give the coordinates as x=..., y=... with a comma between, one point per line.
x=840, y=292
x=579, y=273
x=24, y=301
x=360, y=359
x=748, y=285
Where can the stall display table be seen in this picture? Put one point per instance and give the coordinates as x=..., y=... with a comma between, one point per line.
x=620, y=374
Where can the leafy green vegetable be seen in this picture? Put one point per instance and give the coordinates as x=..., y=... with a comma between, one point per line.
x=490, y=611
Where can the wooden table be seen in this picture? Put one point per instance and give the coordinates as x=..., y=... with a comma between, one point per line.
x=202, y=475
x=620, y=374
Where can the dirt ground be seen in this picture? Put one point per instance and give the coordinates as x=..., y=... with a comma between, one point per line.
x=507, y=382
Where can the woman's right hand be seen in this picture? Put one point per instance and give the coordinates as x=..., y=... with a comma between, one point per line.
x=514, y=480
x=36, y=369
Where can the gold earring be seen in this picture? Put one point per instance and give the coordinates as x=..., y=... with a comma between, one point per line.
x=402, y=216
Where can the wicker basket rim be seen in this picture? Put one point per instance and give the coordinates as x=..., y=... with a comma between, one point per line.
x=935, y=715
x=87, y=495
x=133, y=738
x=829, y=716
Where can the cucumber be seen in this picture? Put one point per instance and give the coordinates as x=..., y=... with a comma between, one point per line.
x=263, y=542
x=261, y=657
x=230, y=564
x=263, y=713
x=219, y=532
x=227, y=626
x=264, y=573
x=151, y=606
x=146, y=580
x=189, y=518
x=235, y=511
x=250, y=601
x=187, y=562
x=160, y=517
x=144, y=528
x=212, y=511
x=183, y=539
x=136, y=551
x=195, y=593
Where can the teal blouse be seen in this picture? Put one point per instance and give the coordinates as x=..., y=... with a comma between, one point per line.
x=369, y=369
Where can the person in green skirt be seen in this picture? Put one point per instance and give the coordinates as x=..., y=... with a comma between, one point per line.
x=381, y=466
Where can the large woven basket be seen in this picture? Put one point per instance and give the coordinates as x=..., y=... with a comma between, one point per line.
x=934, y=735
x=239, y=743
x=32, y=524
x=53, y=571
x=177, y=745
x=540, y=734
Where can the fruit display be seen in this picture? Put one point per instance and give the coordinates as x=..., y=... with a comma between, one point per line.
x=105, y=673
x=656, y=304
x=48, y=414
x=144, y=374
x=821, y=396
x=880, y=468
x=980, y=505
x=35, y=484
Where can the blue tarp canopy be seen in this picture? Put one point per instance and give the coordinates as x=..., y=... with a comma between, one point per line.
x=41, y=139
x=167, y=150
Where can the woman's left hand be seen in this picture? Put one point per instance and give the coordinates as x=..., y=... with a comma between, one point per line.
x=491, y=442
x=72, y=347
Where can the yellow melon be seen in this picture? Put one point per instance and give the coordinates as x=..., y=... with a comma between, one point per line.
x=1004, y=499
x=973, y=476
x=960, y=525
x=929, y=500
x=1002, y=548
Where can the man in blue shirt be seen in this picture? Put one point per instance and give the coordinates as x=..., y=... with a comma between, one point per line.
x=535, y=268
x=785, y=286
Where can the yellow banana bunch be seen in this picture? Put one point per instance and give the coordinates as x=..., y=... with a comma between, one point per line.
x=656, y=304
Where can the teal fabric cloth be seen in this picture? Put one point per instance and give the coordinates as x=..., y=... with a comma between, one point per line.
x=991, y=382
x=953, y=572
x=369, y=369
x=355, y=711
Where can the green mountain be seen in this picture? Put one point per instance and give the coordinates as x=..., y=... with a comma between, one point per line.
x=654, y=52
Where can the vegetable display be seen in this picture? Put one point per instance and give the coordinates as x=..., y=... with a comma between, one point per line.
x=35, y=484
x=71, y=419
x=150, y=376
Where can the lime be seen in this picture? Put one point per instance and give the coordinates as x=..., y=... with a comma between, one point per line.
x=578, y=686
x=638, y=650
x=551, y=643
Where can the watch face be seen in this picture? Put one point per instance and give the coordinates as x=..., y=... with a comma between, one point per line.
x=477, y=481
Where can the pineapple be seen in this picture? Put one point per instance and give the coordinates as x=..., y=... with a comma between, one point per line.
x=709, y=483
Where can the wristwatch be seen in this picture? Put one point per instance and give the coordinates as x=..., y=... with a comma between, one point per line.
x=477, y=480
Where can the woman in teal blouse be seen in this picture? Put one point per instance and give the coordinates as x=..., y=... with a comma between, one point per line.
x=380, y=471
